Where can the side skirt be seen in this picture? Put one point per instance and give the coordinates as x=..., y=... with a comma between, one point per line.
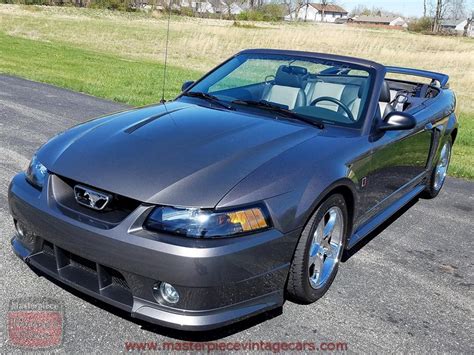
x=381, y=217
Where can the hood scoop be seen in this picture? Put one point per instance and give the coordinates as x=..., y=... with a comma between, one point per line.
x=150, y=119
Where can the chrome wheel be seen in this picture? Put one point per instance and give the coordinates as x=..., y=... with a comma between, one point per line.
x=326, y=247
x=442, y=167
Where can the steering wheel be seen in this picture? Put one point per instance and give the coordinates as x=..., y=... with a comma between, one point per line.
x=337, y=102
x=269, y=79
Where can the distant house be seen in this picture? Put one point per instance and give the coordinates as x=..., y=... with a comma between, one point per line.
x=393, y=21
x=314, y=12
x=457, y=26
x=212, y=8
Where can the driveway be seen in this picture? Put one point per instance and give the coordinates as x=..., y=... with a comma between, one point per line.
x=408, y=288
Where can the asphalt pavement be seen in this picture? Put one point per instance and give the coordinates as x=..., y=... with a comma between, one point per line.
x=408, y=288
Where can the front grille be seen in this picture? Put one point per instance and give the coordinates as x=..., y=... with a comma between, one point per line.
x=105, y=282
x=115, y=211
x=82, y=263
x=48, y=248
x=118, y=279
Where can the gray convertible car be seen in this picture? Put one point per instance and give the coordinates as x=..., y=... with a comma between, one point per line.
x=241, y=193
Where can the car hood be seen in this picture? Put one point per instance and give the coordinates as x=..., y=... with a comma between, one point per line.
x=175, y=154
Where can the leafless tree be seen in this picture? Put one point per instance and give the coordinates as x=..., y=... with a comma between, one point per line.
x=374, y=11
x=454, y=9
x=293, y=7
x=306, y=6
x=228, y=5
x=440, y=9
x=217, y=6
x=457, y=9
x=324, y=5
x=469, y=23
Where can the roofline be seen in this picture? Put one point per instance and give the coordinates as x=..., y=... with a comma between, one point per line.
x=339, y=58
x=313, y=5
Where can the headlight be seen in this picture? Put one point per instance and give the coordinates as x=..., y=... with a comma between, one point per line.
x=36, y=173
x=199, y=223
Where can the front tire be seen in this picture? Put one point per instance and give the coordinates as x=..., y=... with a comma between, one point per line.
x=319, y=252
x=438, y=175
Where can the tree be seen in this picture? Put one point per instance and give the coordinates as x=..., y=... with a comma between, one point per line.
x=457, y=9
x=228, y=5
x=439, y=10
x=293, y=7
x=454, y=9
x=324, y=5
x=306, y=11
x=468, y=25
x=362, y=10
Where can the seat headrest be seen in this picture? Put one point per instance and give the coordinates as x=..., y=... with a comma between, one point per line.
x=385, y=93
x=289, y=75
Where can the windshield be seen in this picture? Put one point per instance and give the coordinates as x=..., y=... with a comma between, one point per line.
x=330, y=92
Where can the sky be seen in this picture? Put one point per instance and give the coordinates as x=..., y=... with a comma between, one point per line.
x=405, y=7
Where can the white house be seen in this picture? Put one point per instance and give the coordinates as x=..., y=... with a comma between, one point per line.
x=394, y=21
x=458, y=26
x=206, y=6
x=314, y=12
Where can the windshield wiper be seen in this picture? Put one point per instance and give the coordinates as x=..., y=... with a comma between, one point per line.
x=266, y=105
x=207, y=97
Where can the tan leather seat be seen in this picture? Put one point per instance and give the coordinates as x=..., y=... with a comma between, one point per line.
x=384, y=100
x=287, y=88
x=350, y=95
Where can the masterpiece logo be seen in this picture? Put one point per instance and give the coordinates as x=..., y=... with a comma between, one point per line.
x=35, y=323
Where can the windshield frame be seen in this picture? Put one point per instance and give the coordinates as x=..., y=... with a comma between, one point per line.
x=376, y=73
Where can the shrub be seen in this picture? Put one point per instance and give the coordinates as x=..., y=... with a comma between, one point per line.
x=423, y=24
x=186, y=11
x=121, y=5
x=269, y=12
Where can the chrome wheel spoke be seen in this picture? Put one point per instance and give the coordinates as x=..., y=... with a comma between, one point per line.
x=331, y=223
x=442, y=167
x=334, y=251
x=313, y=253
x=319, y=233
x=325, y=247
x=316, y=268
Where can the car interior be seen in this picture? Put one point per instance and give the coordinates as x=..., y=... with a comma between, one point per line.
x=334, y=94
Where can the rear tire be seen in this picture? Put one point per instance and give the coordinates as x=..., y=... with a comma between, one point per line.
x=318, y=252
x=438, y=175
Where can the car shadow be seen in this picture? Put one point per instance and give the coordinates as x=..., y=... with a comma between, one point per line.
x=356, y=248
x=194, y=336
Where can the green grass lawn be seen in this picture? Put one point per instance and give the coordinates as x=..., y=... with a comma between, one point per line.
x=139, y=82
x=135, y=82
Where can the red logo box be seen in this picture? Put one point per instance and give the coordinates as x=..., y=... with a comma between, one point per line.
x=35, y=323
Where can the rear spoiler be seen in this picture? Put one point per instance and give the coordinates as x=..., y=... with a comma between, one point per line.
x=442, y=79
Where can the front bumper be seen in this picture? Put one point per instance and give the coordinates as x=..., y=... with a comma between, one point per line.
x=219, y=281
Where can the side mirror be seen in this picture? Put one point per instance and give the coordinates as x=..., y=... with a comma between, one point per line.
x=397, y=121
x=186, y=85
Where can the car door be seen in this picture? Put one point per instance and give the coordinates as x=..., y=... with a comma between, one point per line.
x=397, y=159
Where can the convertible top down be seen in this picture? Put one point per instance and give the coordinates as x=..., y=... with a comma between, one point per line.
x=241, y=193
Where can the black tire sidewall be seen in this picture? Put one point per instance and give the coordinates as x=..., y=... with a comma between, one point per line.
x=336, y=200
x=430, y=191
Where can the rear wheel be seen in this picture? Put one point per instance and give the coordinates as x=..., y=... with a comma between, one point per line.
x=438, y=175
x=319, y=252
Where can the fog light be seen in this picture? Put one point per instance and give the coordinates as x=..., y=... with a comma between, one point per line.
x=167, y=292
x=20, y=230
x=25, y=236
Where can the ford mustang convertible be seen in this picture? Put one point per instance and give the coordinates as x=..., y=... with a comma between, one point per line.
x=241, y=193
